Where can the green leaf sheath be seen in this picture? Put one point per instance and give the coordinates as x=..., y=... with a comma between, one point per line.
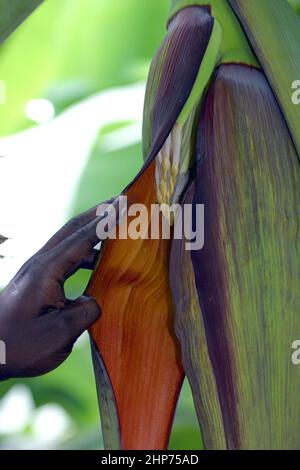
x=247, y=275
x=13, y=13
x=273, y=29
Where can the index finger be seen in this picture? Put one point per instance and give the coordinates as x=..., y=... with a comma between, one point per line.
x=72, y=226
x=76, y=250
x=73, y=250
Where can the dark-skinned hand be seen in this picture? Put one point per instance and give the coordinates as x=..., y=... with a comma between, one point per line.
x=38, y=324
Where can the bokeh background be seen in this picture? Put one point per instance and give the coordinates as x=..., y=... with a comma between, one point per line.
x=72, y=81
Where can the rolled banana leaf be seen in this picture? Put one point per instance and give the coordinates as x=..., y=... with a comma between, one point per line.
x=180, y=55
x=13, y=13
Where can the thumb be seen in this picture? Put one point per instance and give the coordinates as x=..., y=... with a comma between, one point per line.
x=79, y=315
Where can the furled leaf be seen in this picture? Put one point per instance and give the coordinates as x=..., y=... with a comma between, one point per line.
x=176, y=102
x=13, y=13
x=173, y=73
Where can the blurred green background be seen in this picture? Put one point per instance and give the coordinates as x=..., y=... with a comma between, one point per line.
x=72, y=82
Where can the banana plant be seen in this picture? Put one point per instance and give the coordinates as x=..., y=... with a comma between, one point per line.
x=220, y=130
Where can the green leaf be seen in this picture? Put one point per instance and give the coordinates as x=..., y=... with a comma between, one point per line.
x=71, y=61
x=273, y=29
x=13, y=13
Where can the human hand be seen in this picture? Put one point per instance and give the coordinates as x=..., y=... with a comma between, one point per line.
x=38, y=324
